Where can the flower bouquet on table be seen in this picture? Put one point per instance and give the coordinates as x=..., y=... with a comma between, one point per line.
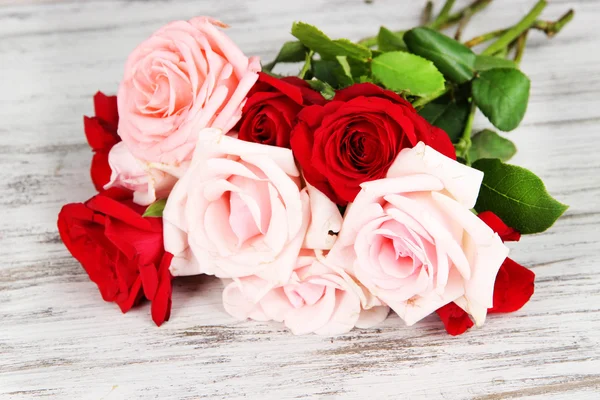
x=322, y=200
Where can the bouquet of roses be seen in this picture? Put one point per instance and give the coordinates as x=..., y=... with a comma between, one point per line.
x=321, y=200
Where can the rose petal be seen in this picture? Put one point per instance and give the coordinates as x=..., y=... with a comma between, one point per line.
x=459, y=180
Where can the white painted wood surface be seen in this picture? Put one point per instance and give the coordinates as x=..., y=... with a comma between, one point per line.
x=58, y=339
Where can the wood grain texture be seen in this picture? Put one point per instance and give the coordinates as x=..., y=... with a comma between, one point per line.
x=58, y=339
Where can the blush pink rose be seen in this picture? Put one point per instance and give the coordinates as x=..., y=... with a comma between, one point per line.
x=412, y=240
x=325, y=221
x=147, y=181
x=316, y=299
x=239, y=210
x=185, y=77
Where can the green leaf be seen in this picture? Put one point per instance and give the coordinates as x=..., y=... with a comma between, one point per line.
x=405, y=72
x=307, y=65
x=345, y=66
x=290, y=52
x=483, y=63
x=155, y=209
x=517, y=196
x=322, y=87
x=332, y=72
x=502, y=95
x=452, y=58
x=448, y=114
x=358, y=68
x=390, y=41
x=488, y=144
x=319, y=42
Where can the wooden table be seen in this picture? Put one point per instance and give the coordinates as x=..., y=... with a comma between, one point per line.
x=58, y=339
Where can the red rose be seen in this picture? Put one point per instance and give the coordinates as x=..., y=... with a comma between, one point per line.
x=514, y=283
x=121, y=251
x=101, y=134
x=513, y=288
x=455, y=319
x=271, y=109
x=506, y=233
x=356, y=137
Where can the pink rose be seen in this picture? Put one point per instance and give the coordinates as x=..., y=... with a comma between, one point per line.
x=239, y=210
x=316, y=299
x=147, y=181
x=185, y=77
x=325, y=221
x=413, y=241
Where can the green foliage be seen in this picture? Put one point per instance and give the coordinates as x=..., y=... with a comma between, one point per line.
x=155, y=209
x=390, y=41
x=483, y=63
x=452, y=58
x=449, y=114
x=502, y=95
x=405, y=72
x=319, y=42
x=358, y=68
x=290, y=52
x=488, y=144
x=332, y=72
x=322, y=87
x=517, y=196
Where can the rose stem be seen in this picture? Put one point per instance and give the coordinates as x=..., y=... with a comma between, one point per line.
x=506, y=38
x=521, y=42
x=503, y=52
x=444, y=13
x=427, y=13
x=307, y=64
x=485, y=37
x=461, y=26
x=450, y=20
x=464, y=143
x=550, y=29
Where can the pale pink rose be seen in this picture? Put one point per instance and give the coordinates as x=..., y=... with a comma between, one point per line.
x=185, y=77
x=325, y=222
x=239, y=210
x=412, y=240
x=317, y=298
x=147, y=181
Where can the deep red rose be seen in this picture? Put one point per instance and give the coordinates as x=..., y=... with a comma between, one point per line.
x=513, y=288
x=514, y=283
x=101, y=134
x=121, y=251
x=356, y=137
x=506, y=233
x=455, y=319
x=271, y=109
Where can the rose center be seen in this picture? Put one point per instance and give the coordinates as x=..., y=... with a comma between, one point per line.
x=361, y=145
x=249, y=207
x=303, y=293
x=164, y=89
x=400, y=253
x=263, y=129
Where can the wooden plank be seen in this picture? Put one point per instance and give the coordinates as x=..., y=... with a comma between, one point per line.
x=59, y=340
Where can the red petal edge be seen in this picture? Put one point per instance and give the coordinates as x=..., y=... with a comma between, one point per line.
x=161, y=305
x=455, y=319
